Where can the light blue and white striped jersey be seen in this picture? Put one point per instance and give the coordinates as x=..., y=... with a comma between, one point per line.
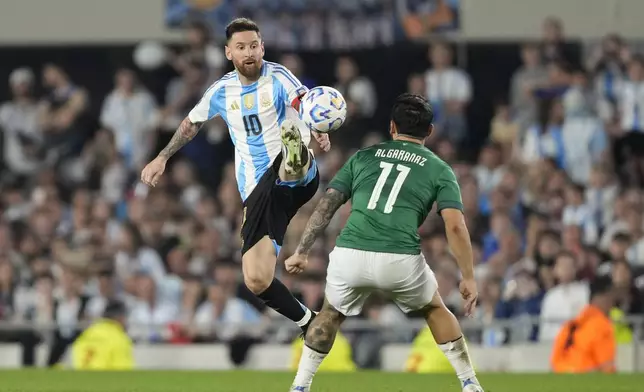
x=253, y=114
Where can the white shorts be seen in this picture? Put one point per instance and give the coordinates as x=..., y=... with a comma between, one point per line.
x=354, y=274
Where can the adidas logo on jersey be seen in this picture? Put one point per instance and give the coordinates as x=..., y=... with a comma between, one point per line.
x=234, y=106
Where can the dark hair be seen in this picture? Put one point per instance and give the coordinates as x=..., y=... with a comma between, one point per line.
x=549, y=233
x=576, y=187
x=239, y=25
x=114, y=309
x=202, y=28
x=600, y=285
x=412, y=115
x=622, y=237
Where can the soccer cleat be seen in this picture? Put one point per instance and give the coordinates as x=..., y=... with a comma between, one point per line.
x=298, y=388
x=292, y=148
x=471, y=385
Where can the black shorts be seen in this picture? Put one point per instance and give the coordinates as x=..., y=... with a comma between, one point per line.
x=270, y=207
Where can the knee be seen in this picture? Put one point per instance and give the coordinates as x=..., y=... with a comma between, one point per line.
x=257, y=282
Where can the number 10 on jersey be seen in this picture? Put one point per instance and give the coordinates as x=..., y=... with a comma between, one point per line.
x=403, y=172
x=252, y=125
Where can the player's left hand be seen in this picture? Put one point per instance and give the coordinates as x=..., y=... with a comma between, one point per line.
x=470, y=295
x=296, y=263
x=323, y=140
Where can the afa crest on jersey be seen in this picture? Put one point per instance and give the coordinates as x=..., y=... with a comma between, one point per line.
x=265, y=100
x=249, y=101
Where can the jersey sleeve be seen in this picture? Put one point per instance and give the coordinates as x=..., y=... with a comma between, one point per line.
x=343, y=179
x=209, y=105
x=292, y=87
x=448, y=193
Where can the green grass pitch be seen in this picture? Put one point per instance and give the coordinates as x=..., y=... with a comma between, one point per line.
x=247, y=381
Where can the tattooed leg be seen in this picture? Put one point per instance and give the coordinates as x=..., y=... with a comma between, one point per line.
x=318, y=342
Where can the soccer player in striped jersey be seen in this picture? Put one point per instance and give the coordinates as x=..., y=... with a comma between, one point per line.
x=276, y=173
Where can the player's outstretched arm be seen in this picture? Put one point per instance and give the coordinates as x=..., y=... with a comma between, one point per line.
x=332, y=200
x=153, y=170
x=458, y=238
x=185, y=133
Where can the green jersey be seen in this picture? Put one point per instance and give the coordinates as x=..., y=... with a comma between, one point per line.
x=393, y=186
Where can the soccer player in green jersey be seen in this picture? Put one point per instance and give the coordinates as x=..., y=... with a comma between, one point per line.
x=392, y=187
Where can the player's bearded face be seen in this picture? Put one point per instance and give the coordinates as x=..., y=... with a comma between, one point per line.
x=246, y=50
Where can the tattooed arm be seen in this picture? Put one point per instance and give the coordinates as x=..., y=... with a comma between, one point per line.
x=186, y=132
x=326, y=208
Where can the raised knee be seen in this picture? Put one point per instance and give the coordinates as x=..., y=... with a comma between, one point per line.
x=257, y=283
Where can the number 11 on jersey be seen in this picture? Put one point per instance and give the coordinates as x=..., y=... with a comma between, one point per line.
x=386, y=167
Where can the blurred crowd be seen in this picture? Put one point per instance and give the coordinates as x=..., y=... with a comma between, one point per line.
x=554, y=199
x=318, y=24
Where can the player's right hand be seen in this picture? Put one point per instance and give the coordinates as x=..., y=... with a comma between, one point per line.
x=296, y=263
x=153, y=171
x=470, y=295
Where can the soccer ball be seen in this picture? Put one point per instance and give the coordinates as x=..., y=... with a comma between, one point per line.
x=323, y=109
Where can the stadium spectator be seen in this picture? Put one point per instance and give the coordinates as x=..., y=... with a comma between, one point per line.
x=129, y=111
x=629, y=297
x=531, y=74
x=504, y=129
x=151, y=313
x=565, y=300
x=629, y=146
x=105, y=285
x=221, y=307
x=63, y=112
x=69, y=312
x=607, y=62
x=22, y=136
x=294, y=63
x=587, y=343
x=553, y=46
x=449, y=90
x=105, y=344
x=521, y=299
x=358, y=91
x=199, y=48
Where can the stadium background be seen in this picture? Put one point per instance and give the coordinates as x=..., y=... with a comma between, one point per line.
x=193, y=235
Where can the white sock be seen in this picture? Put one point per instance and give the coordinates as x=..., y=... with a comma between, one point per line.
x=309, y=364
x=305, y=319
x=457, y=354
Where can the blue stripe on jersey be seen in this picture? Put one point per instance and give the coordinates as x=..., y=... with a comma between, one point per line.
x=256, y=145
x=287, y=76
x=218, y=104
x=279, y=97
x=282, y=70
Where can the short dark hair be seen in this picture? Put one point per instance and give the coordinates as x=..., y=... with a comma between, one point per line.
x=412, y=115
x=114, y=309
x=600, y=285
x=240, y=24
